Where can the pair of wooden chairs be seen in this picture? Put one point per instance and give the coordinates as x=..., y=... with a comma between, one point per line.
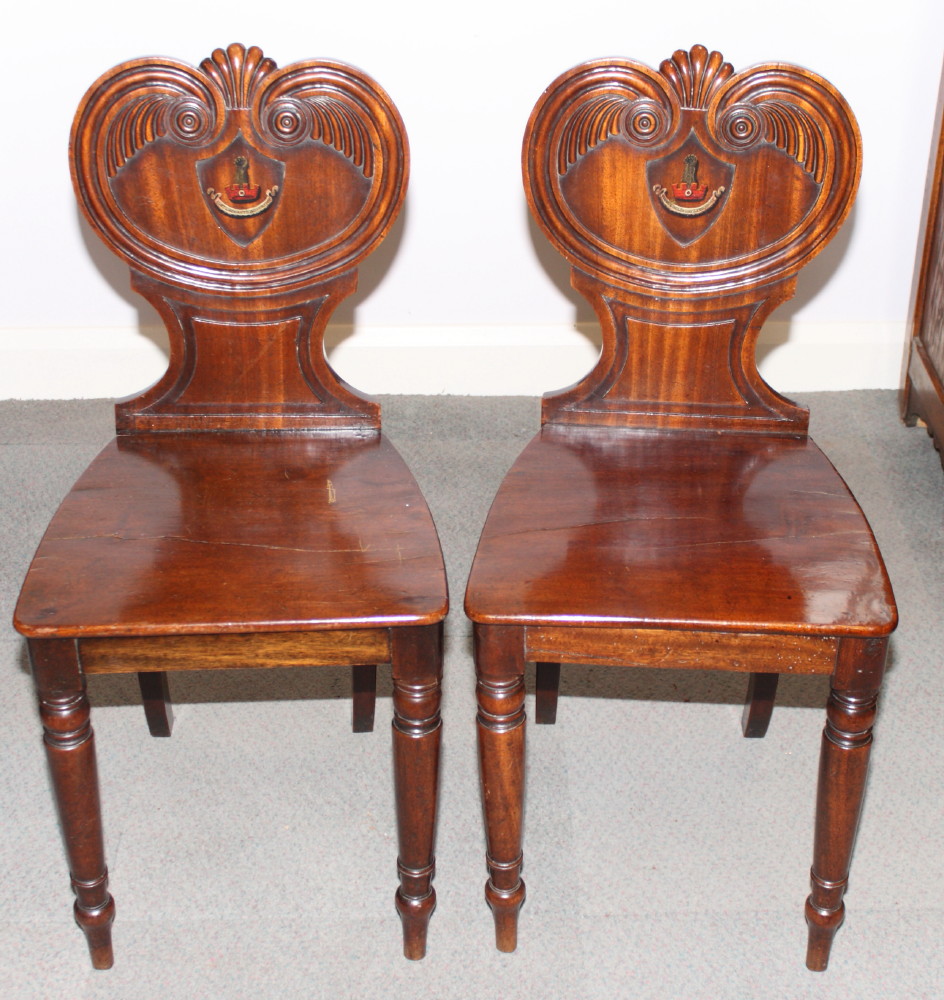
x=672, y=512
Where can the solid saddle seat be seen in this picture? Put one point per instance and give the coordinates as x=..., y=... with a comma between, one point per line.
x=673, y=512
x=750, y=533
x=236, y=533
x=250, y=512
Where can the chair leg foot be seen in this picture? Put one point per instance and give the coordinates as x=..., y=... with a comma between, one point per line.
x=414, y=916
x=505, y=906
x=822, y=925
x=96, y=923
x=417, y=728
x=70, y=751
x=499, y=665
x=843, y=768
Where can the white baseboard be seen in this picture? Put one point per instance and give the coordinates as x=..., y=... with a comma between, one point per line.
x=476, y=361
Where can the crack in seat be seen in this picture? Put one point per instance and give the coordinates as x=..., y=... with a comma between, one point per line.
x=672, y=512
x=250, y=513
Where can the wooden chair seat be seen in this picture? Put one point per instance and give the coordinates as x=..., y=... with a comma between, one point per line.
x=673, y=511
x=250, y=512
x=747, y=533
x=187, y=534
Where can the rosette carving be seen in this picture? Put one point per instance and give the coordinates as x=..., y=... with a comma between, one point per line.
x=648, y=108
x=638, y=113
x=175, y=104
x=686, y=200
x=328, y=119
x=785, y=126
x=643, y=121
x=610, y=144
x=321, y=144
x=243, y=196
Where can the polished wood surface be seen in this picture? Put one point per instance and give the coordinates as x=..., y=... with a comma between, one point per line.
x=682, y=287
x=245, y=288
x=178, y=524
x=922, y=396
x=750, y=533
x=672, y=511
x=250, y=513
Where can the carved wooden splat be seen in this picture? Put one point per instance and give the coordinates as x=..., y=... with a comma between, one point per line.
x=687, y=199
x=286, y=179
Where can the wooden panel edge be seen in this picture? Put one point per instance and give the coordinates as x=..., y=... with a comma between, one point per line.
x=926, y=399
x=120, y=655
x=636, y=647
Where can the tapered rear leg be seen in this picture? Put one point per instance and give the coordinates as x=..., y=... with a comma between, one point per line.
x=499, y=664
x=759, y=704
x=417, y=727
x=908, y=414
x=70, y=749
x=364, y=685
x=844, y=760
x=155, y=694
x=546, y=690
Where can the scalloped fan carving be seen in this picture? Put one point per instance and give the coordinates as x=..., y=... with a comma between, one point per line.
x=792, y=130
x=595, y=122
x=140, y=121
x=337, y=125
x=238, y=73
x=696, y=76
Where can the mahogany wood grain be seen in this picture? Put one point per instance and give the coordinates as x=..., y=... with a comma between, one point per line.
x=499, y=667
x=668, y=649
x=735, y=532
x=844, y=760
x=922, y=395
x=176, y=524
x=417, y=735
x=244, y=649
x=70, y=750
x=250, y=512
x=672, y=511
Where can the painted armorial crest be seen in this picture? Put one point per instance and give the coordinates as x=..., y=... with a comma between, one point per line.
x=243, y=196
x=687, y=199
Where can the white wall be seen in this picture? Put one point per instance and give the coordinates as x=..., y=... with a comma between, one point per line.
x=464, y=297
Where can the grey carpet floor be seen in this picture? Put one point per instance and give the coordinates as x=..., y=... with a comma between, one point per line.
x=253, y=854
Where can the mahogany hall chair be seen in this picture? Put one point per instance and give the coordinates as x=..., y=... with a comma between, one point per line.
x=672, y=511
x=249, y=513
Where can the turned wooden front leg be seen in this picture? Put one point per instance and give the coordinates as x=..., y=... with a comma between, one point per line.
x=70, y=748
x=843, y=768
x=417, y=725
x=499, y=665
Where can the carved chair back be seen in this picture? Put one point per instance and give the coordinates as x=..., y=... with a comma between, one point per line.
x=686, y=201
x=243, y=198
